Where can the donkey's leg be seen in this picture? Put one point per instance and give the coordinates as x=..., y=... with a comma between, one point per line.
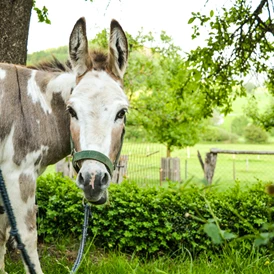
x=25, y=214
x=22, y=191
x=28, y=234
x=3, y=239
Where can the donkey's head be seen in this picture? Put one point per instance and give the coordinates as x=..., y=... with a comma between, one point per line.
x=97, y=107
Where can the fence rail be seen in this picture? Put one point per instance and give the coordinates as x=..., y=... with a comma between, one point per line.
x=251, y=152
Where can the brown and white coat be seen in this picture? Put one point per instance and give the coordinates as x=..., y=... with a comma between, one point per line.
x=35, y=126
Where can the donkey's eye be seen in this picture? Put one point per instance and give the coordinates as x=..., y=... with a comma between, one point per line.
x=72, y=112
x=121, y=114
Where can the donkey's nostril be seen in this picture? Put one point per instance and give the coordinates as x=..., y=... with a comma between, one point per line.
x=104, y=179
x=81, y=179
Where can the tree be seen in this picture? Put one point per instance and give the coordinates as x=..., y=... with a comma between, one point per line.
x=239, y=43
x=164, y=96
x=14, y=28
x=239, y=124
x=263, y=119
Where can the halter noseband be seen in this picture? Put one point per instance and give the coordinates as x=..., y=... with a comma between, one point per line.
x=92, y=155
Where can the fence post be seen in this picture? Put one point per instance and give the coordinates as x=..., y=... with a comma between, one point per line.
x=234, y=169
x=170, y=168
x=121, y=170
x=65, y=167
x=209, y=166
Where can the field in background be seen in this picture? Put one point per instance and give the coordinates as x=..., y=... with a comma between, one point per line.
x=144, y=163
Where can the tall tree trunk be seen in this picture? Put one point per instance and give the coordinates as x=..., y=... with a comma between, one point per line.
x=14, y=30
x=168, y=152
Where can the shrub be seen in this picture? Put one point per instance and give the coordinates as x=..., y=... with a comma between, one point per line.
x=217, y=134
x=60, y=208
x=255, y=134
x=239, y=124
x=153, y=221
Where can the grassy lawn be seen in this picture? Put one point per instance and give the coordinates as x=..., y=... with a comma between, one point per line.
x=144, y=163
x=59, y=258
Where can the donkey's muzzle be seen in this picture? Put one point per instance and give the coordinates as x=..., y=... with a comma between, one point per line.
x=94, y=184
x=93, y=179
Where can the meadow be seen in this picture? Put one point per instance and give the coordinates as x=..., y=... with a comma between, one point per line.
x=58, y=259
x=144, y=163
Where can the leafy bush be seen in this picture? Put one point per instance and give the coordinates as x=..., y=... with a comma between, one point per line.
x=155, y=221
x=255, y=134
x=239, y=124
x=217, y=134
x=60, y=208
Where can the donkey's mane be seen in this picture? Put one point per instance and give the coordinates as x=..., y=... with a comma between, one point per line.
x=98, y=57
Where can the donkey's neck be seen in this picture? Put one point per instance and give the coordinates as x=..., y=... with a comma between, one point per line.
x=34, y=114
x=58, y=89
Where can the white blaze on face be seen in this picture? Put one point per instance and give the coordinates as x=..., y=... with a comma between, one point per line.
x=96, y=100
x=2, y=74
x=36, y=94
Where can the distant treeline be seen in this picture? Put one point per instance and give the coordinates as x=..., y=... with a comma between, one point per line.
x=60, y=53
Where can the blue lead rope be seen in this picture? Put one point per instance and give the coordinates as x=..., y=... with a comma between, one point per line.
x=14, y=231
x=83, y=240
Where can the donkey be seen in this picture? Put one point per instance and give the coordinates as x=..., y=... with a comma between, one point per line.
x=44, y=109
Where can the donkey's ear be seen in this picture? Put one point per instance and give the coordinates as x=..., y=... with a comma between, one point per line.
x=78, y=48
x=118, y=50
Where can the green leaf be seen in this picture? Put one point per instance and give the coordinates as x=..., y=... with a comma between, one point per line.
x=211, y=13
x=213, y=232
x=191, y=20
x=228, y=236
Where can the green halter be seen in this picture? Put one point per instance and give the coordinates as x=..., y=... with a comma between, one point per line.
x=92, y=155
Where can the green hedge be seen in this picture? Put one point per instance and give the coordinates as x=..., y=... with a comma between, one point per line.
x=153, y=221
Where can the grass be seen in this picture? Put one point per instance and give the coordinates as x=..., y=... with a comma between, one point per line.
x=144, y=163
x=58, y=259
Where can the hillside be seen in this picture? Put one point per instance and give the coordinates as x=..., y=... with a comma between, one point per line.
x=263, y=98
x=60, y=53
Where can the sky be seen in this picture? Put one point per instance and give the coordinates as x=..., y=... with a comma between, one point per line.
x=152, y=15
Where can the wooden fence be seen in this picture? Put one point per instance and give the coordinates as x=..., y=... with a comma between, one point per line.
x=211, y=159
